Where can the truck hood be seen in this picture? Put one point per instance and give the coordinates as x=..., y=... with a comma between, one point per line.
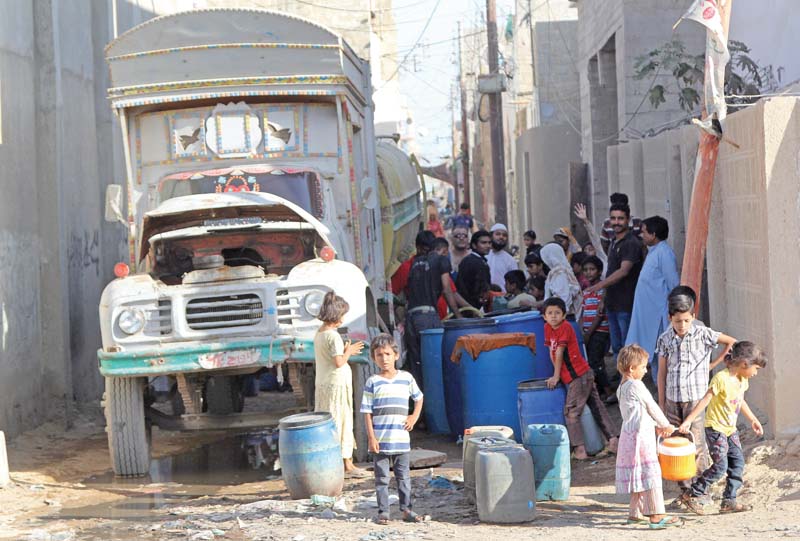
x=194, y=210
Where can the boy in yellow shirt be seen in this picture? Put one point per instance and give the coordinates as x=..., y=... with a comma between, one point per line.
x=725, y=399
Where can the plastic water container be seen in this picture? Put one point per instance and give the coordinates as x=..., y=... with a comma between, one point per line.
x=489, y=431
x=549, y=449
x=434, y=405
x=311, y=457
x=593, y=439
x=484, y=432
x=471, y=448
x=489, y=385
x=505, y=485
x=451, y=372
x=536, y=404
x=676, y=456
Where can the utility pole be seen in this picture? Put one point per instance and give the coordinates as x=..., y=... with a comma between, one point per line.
x=464, y=130
x=534, y=93
x=496, y=122
x=697, y=223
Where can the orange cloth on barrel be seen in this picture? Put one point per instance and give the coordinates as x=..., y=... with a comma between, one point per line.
x=474, y=344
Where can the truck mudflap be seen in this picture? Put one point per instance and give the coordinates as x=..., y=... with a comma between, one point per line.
x=207, y=357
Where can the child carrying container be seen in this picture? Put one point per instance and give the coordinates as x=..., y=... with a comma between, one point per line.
x=638, y=471
x=333, y=381
x=724, y=400
x=570, y=367
x=684, y=353
x=385, y=408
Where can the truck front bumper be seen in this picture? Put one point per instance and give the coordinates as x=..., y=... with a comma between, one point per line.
x=211, y=356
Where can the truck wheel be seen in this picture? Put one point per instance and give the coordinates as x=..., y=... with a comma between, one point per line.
x=127, y=428
x=224, y=395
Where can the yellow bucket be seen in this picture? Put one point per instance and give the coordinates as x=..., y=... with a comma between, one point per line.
x=676, y=455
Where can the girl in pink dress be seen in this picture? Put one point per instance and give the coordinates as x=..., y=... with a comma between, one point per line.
x=638, y=472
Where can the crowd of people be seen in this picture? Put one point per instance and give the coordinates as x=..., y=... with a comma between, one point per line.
x=621, y=290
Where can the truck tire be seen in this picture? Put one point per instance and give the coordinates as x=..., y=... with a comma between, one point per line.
x=224, y=395
x=128, y=430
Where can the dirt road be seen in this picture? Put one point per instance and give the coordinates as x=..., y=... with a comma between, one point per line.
x=205, y=487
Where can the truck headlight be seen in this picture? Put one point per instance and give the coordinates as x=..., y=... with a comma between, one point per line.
x=131, y=320
x=313, y=302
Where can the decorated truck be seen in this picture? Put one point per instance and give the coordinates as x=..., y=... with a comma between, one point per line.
x=254, y=185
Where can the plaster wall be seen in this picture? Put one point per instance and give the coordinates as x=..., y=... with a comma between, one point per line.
x=753, y=290
x=59, y=148
x=549, y=151
x=631, y=173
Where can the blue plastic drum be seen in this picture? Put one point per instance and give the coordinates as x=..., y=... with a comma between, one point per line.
x=489, y=386
x=434, y=405
x=536, y=404
x=311, y=457
x=451, y=373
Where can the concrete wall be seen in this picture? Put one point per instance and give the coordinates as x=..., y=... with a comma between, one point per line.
x=631, y=175
x=752, y=261
x=612, y=34
x=752, y=266
x=548, y=151
x=60, y=148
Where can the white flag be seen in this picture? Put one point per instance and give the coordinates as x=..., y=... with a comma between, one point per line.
x=706, y=12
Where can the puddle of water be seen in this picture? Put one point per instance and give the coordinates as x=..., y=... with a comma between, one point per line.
x=175, y=479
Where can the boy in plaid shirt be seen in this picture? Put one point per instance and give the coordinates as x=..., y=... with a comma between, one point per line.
x=684, y=351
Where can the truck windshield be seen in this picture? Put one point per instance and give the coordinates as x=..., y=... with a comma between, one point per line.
x=300, y=187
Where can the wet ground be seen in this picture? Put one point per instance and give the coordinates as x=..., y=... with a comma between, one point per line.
x=228, y=486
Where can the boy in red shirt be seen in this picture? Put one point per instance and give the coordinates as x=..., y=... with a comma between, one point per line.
x=572, y=368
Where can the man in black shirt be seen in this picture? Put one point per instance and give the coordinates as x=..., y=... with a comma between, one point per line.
x=428, y=278
x=624, y=264
x=474, y=275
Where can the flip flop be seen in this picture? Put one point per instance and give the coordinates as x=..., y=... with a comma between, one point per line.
x=357, y=473
x=411, y=516
x=667, y=522
x=639, y=521
x=381, y=520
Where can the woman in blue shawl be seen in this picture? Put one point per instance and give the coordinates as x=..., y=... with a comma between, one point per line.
x=659, y=275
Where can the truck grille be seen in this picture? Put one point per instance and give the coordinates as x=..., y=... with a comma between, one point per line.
x=225, y=311
x=288, y=305
x=159, y=320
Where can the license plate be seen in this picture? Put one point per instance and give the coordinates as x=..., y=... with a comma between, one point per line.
x=224, y=359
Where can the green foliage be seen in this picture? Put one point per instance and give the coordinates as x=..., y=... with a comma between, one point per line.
x=743, y=76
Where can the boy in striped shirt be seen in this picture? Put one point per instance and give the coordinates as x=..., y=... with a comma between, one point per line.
x=595, y=328
x=385, y=406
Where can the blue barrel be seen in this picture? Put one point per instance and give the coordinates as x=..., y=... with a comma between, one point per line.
x=536, y=404
x=529, y=322
x=435, y=412
x=533, y=322
x=451, y=372
x=489, y=386
x=311, y=456
x=549, y=447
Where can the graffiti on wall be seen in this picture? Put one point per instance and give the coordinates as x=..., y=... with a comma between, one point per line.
x=84, y=251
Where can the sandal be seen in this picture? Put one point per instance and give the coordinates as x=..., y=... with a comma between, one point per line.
x=357, y=473
x=411, y=516
x=640, y=521
x=381, y=520
x=730, y=506
x=692, y=504
x=667, y=522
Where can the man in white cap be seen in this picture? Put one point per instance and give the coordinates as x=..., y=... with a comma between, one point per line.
x=500, y=261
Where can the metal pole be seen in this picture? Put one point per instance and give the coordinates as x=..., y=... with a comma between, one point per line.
x=464, y=130
x=496, y=122
x=534, y=94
